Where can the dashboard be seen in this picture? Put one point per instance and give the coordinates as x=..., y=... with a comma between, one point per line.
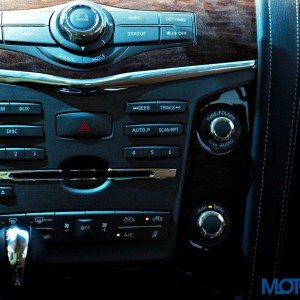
x=128, y=141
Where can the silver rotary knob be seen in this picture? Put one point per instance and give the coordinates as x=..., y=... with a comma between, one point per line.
x=82, y=23
x=211, y=224
x=222, y=128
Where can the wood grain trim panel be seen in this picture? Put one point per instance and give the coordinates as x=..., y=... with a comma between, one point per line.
x=226, y=32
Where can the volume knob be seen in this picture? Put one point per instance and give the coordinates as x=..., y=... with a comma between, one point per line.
x=221, y=128
x=82, y=23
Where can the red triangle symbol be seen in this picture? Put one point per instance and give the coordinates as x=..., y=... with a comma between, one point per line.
x=84, y=127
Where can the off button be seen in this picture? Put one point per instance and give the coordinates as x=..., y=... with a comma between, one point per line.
x=85, y=227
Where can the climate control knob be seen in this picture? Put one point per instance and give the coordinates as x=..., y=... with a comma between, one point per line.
x=82, y=23
x=211, y=224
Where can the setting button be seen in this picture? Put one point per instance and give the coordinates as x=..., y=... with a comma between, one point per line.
x=30, y=35
x=135, y=18
x=140, y=130
x=171, y=107
x=169, y=129
x=25, y=108
x=141, y=107
x=177, y=19
x=15, y=131
x=4, y=108
x=135, y=35
x=176, y=34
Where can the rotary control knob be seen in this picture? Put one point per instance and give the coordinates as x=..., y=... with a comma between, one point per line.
x=209, y=225
x=220, y=131
x=82, y=23
x=222, y=128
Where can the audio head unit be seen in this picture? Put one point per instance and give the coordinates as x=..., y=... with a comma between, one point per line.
x=83, y=35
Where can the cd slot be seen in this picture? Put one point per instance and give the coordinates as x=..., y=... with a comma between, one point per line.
x=85, y=175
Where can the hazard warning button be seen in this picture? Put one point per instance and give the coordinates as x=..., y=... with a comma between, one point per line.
x=80, y=125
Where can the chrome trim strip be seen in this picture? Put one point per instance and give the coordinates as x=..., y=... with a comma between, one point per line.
x=58, y=175
x=126, y=80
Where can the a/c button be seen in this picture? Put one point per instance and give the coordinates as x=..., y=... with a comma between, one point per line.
x=129, y=234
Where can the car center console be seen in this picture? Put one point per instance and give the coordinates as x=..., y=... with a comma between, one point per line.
x=129, y=167
x=85, y=35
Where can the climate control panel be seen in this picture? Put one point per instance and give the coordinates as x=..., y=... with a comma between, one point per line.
x=95, y=226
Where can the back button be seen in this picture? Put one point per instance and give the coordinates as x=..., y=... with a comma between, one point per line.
x=60, y=55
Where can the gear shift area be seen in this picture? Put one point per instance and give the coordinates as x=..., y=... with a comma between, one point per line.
x=22, y=247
